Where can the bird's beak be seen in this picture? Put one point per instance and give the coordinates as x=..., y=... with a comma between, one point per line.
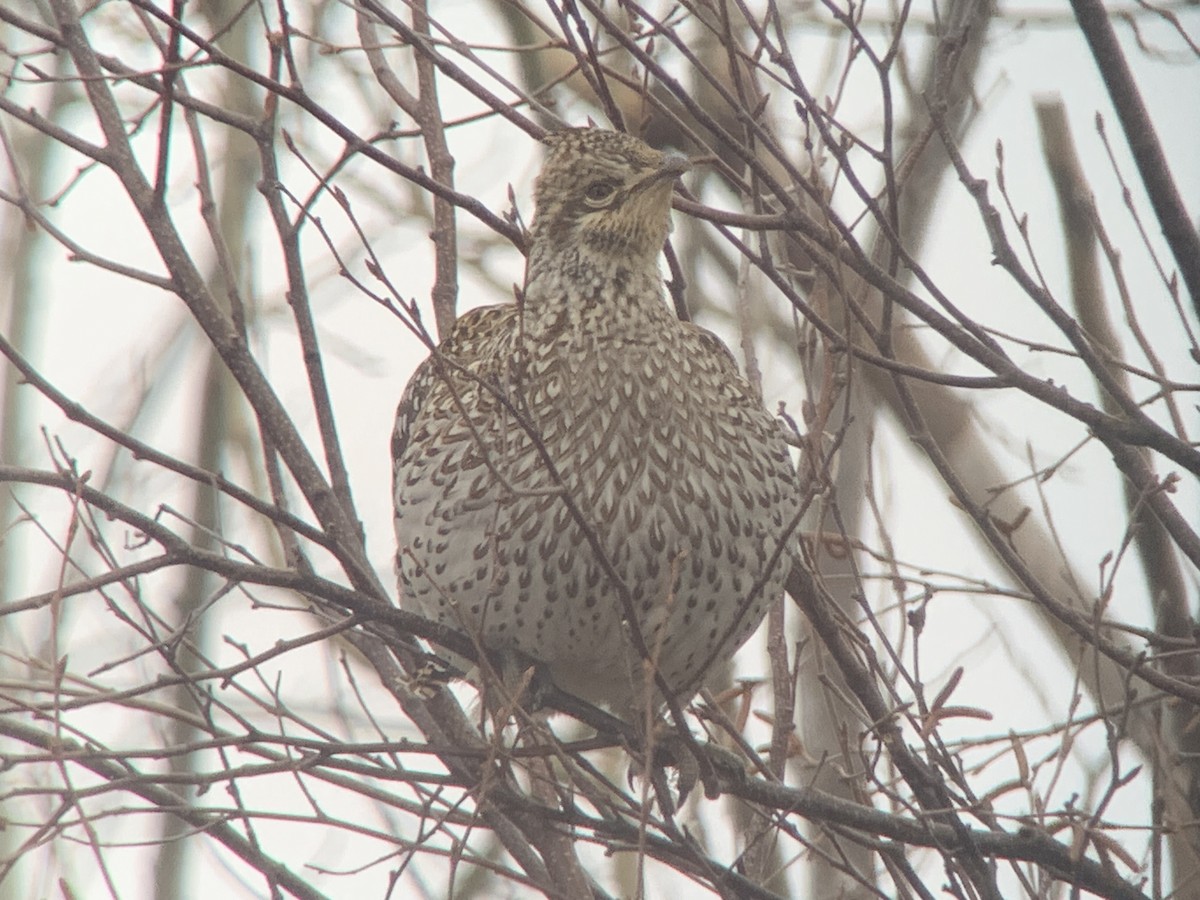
x=674, y=165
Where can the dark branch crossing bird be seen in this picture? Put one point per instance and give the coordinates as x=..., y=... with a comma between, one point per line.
x=581, y=480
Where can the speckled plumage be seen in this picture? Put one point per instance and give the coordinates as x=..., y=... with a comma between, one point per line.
x=677, y=472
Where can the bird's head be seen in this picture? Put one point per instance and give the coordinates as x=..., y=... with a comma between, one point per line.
x=602, y=204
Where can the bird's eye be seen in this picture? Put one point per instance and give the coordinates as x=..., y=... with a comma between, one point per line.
x=599, y=193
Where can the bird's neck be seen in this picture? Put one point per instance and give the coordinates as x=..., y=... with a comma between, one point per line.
x=595, y=296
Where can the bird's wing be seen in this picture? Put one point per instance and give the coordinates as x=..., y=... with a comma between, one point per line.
x=471, y=345
x=706, y=342
x=411, y=402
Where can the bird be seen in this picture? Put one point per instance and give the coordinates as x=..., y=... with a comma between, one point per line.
x=582, y=481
